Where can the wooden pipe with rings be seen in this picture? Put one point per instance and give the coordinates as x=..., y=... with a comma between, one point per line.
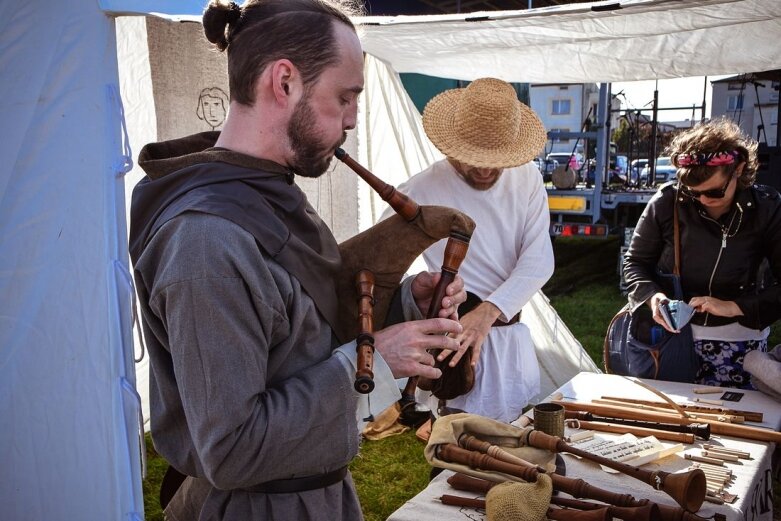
x=364, y=374
x=700, y=430
x=455, y=251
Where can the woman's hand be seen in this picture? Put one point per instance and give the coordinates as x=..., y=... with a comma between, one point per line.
x=655, y=303
x=714, y=306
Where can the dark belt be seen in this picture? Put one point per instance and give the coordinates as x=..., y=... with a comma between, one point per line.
x=514, y=320
x=287, y=486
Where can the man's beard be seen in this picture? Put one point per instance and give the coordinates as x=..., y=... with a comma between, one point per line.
x=478, y=184
x=311, y=157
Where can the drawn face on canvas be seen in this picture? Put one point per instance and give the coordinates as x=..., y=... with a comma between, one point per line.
x=328, y=109
x=213, y=111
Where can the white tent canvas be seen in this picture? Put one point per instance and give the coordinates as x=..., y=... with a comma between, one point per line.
x=69, y=439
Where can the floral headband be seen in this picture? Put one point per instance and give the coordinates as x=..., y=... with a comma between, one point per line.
x=709, y=159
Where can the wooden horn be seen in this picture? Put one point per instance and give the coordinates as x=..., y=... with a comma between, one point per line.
x=364, y=374
x=687, y=489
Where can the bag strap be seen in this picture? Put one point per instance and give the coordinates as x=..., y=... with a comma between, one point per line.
x=609, y=337
x=676, y=237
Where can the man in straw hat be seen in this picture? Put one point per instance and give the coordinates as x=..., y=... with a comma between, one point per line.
x=490, y=139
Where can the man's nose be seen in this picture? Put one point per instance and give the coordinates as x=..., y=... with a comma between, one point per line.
x=351, y=117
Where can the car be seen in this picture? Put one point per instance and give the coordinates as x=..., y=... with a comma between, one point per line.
x=574, y=160
x=664, y=170
x=546, y=167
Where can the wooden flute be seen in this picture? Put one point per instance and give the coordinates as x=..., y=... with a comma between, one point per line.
x=750, y=416
x=717, y=427
x=700, y=430
x=623, y=428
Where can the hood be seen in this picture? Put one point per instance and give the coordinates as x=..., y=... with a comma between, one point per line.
x=191, y=175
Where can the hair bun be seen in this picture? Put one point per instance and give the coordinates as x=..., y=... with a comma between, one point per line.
x=216, y=18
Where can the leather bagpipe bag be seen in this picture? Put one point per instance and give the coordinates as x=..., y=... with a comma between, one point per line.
x=448, y=429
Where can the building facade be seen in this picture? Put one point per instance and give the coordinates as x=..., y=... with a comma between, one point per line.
x=751, y=103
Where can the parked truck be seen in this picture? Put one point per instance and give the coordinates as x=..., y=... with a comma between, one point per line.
x=596, y=208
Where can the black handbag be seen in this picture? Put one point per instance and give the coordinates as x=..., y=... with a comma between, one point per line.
x=635, y=345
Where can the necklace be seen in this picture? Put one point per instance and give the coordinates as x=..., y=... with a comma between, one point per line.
x=726, y=231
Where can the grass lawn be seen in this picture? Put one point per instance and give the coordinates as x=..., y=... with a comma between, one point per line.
x=387, y=473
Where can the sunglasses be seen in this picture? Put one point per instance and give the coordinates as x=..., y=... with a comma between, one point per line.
x=713, y=193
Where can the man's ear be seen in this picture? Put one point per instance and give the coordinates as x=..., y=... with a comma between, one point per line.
x=285, y=82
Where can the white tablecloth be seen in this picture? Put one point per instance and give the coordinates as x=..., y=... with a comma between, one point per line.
x=753, y=484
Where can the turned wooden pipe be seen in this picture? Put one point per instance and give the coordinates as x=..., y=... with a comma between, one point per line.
x=700, y=430
x=364, y=374
x=574, y=487
x=556, y=514
x=569, y=514
x=622, y=428
x=717, y=427
x=687, y=489
x=469, y=442
x=458, y=501
x=660, y=512
x=648, y=512
x=467, y=483
x=400, y=203
x=455, y=251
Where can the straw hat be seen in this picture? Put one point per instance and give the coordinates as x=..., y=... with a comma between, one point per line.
x=484, y=125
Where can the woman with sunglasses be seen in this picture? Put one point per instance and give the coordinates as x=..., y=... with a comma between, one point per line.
x=728, y=227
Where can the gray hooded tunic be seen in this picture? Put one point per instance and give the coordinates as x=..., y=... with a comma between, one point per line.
x=245, y=384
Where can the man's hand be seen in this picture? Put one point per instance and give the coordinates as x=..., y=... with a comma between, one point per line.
x=404, y=347
x=423, y=288
x=714, y=306
x=477, y=324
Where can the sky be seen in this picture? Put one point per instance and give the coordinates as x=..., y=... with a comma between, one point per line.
x=678, y=92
